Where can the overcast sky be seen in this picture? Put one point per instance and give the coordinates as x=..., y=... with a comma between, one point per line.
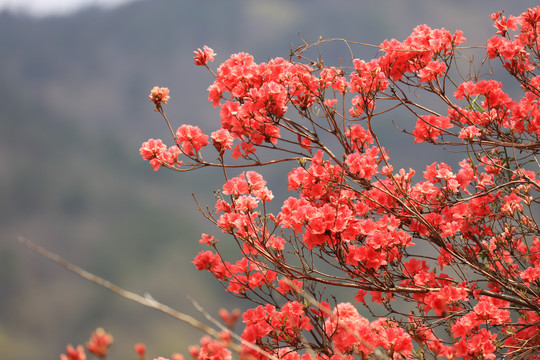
x=54, y=7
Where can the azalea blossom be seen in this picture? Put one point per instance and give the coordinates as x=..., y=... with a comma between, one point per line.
x=202, y=57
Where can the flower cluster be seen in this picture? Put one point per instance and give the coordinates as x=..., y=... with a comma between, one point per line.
x=98, y=345
x=159, y=95
x=157, y=153
x=281, y=326
x=73, y=353
x=422, y=53
x=458, y=242
x=212, y=349
x=202, y=57
x=191, y=138
x=351, y=333
x=514, y=51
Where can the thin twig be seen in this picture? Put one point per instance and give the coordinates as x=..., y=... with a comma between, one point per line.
x=146, y=300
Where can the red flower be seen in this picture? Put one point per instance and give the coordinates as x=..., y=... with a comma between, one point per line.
x=229, y=318
x=73, y=353
x=140, y=348
x=99, y=343
x=222, y=140
x=191, y=138
x=159, y=95
x=203, y=56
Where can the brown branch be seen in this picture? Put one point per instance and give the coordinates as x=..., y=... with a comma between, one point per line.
x=146, y=300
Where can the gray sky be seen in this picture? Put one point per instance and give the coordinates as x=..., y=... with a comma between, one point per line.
x=54, y=7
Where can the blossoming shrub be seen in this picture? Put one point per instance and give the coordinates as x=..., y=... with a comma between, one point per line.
x=459, y=245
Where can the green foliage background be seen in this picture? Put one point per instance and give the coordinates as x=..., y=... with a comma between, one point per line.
x=73, y=113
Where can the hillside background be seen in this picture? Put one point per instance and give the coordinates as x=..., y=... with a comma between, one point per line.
x=73, y=113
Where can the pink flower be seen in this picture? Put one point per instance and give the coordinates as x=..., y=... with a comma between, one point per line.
x=159, y=95
x=152, y=150
x=158, y=155
x=433, y=70
x=530, y=275
x=207, y=239
x=206, y=260
x=213, y=350
x=73, y=353
x=349, y=329
x=276, y=242
x=284, y=285
x=236, y=153
x=429, y=127
x=191, y=138
x=478, y=344
x=229, y=318
x=236, y=186
x=365, y=165
x=330, y=102
x=222, y=140
x=99, y=343
x=360, y=296
x=140, y=349
x=203, y=56
x=359, y=136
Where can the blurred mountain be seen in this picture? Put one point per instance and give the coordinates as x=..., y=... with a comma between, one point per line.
x=73, y=113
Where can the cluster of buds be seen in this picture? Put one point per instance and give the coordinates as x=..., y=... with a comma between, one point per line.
x=159, y=95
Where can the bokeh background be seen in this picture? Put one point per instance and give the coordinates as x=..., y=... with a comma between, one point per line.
x=73, y=113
